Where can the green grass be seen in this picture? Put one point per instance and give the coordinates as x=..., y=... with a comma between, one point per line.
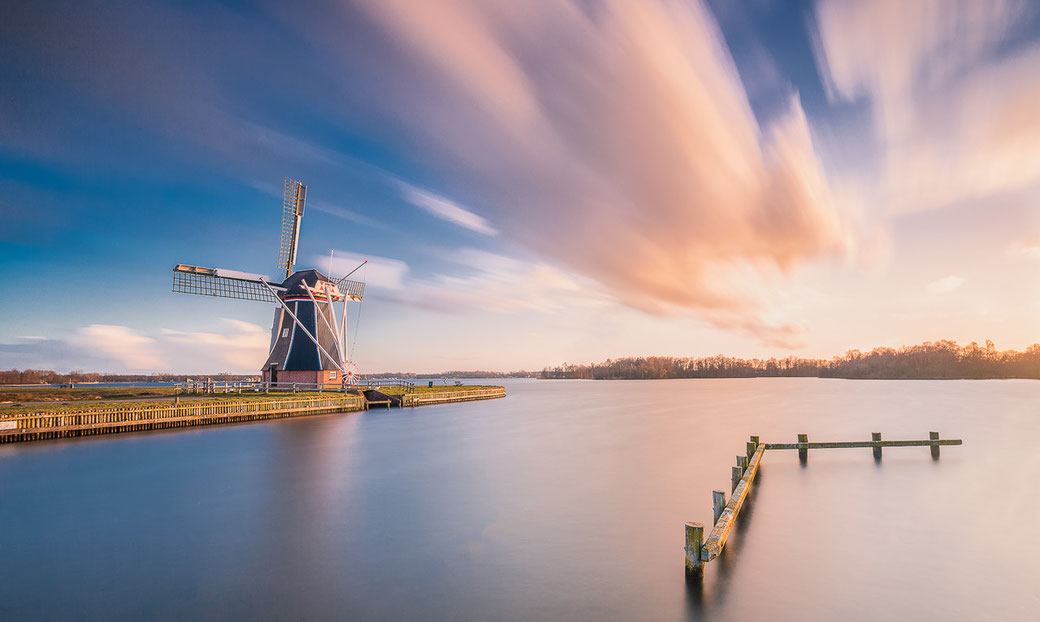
x=53, y=394
x=437, y=388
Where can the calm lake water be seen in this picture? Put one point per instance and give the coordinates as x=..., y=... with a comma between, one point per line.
x=564, y=501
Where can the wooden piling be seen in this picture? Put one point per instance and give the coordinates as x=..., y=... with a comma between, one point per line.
x=716, y=540
x=751, y=447
x=848, y=444
x=718, y=501
x=694, y=542
x=725, y=513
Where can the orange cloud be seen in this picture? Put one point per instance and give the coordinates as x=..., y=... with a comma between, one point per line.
x=616, y=140
x=954, y=113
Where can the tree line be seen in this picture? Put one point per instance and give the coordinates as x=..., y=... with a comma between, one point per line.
x=939, y=360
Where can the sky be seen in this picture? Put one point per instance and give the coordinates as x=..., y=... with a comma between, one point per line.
x=531, y=182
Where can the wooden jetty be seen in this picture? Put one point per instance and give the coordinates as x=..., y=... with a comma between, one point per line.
x=700, y=550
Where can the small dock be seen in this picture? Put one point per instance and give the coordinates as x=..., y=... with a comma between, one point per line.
x=700, y=550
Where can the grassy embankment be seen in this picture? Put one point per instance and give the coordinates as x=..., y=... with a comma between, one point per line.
x=18, y=400
x=437, y=388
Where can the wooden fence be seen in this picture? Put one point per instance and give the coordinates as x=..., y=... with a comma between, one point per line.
x=446, y=397
x=160, y=415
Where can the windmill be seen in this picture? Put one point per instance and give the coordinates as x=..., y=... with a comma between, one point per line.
x=308, y=342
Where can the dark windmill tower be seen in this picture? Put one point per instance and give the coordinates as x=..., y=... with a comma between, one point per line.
x=308, y=342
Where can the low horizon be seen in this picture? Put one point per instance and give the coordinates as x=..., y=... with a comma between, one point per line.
x=986, y=346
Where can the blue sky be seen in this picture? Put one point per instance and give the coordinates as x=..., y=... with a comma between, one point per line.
x=557, y=181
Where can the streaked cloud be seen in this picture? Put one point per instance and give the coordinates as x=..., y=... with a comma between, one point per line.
x=1026, y=248
x=446, y=209
x=618, y=143
x=379, y=272
x=120, y=345
x=473, y=280
x=953, y=104
x=240, y=346
x=340, y=212
x=500, y=284
x=225, y=345
x=945, y=285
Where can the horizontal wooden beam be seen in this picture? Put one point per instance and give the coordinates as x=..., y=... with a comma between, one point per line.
x=846, y=444
x=720, y=532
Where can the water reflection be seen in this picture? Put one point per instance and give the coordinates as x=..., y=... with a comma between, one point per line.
x=564, y=501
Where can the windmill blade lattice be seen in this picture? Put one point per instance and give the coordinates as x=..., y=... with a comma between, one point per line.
x=211, y=282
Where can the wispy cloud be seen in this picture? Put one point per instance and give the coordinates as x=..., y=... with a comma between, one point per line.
x=953, y=105
x=492, y=282
x=945, y=285
x=446, y=209
x=1026, y=248
x=474, y=280
x=229, y=345
x=240, y=346
x=637, y=163
x=379, y=272
x=340, y=212
x=121, y=345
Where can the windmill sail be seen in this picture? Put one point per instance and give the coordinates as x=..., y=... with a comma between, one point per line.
x=221, y=283
x=355, y=290
x=294, y=197
x=308, y=344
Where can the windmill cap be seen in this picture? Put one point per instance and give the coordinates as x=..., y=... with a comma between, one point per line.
x=298, y=283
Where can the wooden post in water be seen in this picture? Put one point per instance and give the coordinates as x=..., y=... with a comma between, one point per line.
x=694, y=541
x=751, y=447
x=718, y=501
x=725, y=514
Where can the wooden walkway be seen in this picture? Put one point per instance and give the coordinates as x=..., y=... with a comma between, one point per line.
x=700, y=550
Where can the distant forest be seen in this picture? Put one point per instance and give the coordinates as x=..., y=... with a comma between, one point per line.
x=939, y=360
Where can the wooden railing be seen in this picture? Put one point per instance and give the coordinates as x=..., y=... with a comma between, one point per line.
x=140, y=416
x=444, y=397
